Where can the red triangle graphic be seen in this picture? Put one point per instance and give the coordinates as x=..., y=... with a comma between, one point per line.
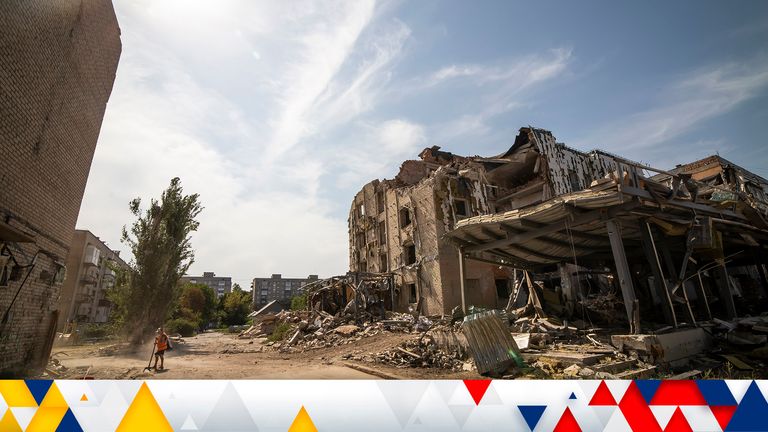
x=678, y=423
x=723, y=414
x=567, y=422
x=603, y=396
x=678, y=392
x=477, y=388
x=635, y=409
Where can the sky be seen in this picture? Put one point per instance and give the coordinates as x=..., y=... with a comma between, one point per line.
x=277, y=113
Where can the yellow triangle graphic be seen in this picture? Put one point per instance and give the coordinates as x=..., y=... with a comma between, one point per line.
x=16, y=394
x=144, y=414
x=302, y=422
x=9, y=423
x=47, y=418
x=54, y=399
x=84, y=398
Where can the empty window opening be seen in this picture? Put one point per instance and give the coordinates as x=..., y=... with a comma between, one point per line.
x=383, y=263
x=361, y=210
x=382, y=233
x=573, y=178
x=461, y=208
x=405, y=217
x=410, y=254
x=502, y=288
x=380, y=201
x=411, y=293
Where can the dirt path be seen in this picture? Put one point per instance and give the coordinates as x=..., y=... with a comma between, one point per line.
x=224, y=356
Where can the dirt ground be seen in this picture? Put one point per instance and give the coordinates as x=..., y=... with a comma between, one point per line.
x=214, y=355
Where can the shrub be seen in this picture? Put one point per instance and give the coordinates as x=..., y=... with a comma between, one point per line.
x=181, y=326
x=281, y=331
x=299, y=302
x=95, y=331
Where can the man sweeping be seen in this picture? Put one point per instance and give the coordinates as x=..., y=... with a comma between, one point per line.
x=162, y=344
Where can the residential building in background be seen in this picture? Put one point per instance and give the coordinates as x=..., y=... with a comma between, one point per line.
x=57, y=67
x=277, y=288
x=91, y=268
x=220, y=284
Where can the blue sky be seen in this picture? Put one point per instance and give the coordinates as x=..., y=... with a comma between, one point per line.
x=277, y=113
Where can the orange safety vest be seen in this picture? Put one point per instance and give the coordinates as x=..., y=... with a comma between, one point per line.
x=162, y=342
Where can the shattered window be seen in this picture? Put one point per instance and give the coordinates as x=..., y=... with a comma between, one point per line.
x=410, y=254
x=502, y=288
x=382, y=233
x=461, y=208
x=405, y=217
x=380, y=201
x=411, y=293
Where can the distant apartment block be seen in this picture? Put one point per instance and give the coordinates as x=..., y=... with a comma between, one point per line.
x=278, y=288
x=91, y=268
x=220, y=284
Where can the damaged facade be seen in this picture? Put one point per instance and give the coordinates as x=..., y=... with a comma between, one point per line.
x=397, y=226
x=57, y=67
x=590, y=235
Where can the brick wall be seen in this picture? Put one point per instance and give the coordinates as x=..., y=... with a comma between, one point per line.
x=57, y=66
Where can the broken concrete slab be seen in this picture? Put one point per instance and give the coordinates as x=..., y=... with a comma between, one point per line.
x=665, y=348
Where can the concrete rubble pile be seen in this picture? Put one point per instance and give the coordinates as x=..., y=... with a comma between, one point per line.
x=317, y=329
x=422, y=353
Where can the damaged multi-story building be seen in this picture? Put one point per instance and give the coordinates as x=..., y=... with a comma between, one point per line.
x=91, y=271
x=57, y=66
x=678, y=246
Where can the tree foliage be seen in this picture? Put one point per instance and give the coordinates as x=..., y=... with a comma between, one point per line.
x=197, y=304
x=160, y=242
x=235, y=306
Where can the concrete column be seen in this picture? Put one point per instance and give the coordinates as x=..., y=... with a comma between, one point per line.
x=462, y=283
x=623, y=273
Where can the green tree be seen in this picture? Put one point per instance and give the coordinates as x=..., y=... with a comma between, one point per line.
x=235, y=306
x=197, y=302
x=160, y=242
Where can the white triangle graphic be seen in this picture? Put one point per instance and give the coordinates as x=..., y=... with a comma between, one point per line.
x=445, y=388
x=461, y=413
x=189, y=424
x=738, y=388
x=491, y=397
x=402, y=397
x=23, y=415
x=617, y=423
x=663, y=413
x=603, y=413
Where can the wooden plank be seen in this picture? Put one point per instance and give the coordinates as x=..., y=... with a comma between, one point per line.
x=566, y=357
x=738, y=363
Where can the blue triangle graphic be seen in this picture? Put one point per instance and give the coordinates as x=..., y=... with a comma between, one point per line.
x=572, y=396
x=648, y=388
x=750, y=414
x=716, y=392
x=69, y=423
x=532, y=414
x=38, y=388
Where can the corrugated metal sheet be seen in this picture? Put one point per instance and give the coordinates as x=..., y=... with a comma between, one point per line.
x=491, y=343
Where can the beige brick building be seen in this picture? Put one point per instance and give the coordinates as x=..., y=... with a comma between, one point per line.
x=57, y=66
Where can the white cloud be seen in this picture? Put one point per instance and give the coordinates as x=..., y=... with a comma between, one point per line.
x=378, y=151
x=168, y=118
x=683, y=106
